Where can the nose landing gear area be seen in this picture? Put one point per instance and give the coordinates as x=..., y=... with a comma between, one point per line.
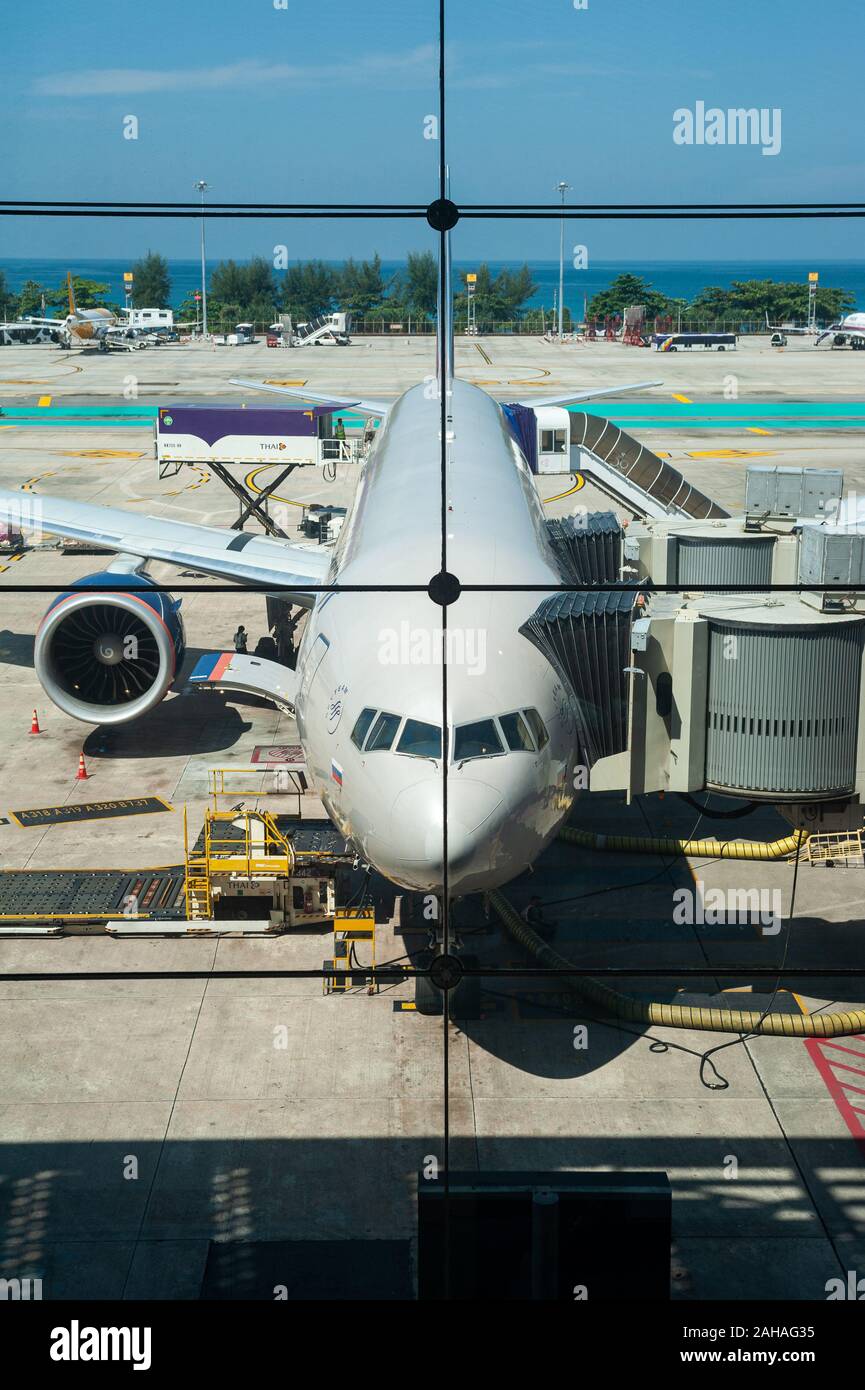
x=448, y=979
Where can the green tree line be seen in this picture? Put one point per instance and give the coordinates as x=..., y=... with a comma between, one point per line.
x=253, y=290
x=744, y=301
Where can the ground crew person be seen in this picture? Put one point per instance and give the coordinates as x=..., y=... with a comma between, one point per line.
x=339, y=436
x=240, y=640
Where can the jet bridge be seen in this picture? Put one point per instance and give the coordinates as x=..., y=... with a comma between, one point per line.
x=631, y=474
x=728, y=685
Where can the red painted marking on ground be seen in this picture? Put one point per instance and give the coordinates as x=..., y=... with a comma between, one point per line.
x=837, y=1089
x=839, y=1047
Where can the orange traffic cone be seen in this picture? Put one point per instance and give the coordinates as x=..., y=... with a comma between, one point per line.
x=34, y=724
x=82, y=773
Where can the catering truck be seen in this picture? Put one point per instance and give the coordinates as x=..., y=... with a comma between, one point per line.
x=246, y=434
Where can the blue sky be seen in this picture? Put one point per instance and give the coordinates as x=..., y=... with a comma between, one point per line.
x=326, y=100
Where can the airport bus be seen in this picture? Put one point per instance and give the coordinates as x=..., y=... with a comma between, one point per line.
x=675, y=342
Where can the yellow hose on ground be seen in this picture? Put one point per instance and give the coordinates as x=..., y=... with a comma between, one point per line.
x=701, y=849
x=612, y=1002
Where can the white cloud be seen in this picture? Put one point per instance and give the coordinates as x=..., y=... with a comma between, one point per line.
x=88, y=82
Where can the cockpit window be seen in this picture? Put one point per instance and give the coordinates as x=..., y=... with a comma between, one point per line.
x=514, y=728
x=538, y=728
x=478, y=740
x=383, y=732
x=358, y=733
x=420, y=740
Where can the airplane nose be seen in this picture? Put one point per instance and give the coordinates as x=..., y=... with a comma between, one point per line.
x=416, y=828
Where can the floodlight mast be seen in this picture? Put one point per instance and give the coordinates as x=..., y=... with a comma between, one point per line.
x=562, y=188
x=201, y=186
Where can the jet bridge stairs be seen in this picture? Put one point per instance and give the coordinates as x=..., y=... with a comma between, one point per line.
x=630, y=474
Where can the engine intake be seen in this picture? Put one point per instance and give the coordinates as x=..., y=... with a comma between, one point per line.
x=109, y=657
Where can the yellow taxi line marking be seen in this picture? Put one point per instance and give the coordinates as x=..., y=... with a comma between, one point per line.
x=271, y=381
x=752, y=429
x=730, y=453
x=28, y=486
x=530, y=380
x=102, y=453
x=272, y=497
x=686, y=400
x=578, y=483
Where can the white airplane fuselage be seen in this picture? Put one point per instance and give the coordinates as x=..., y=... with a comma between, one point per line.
x=385, y=652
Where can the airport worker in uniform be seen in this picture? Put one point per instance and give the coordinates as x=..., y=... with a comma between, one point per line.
x=339, y=434
x=240, y=640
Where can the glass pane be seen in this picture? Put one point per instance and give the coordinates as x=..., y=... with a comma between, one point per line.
x=478, y=740
x=383, y=732
x=420, y=740
x=515, y=731
x=538, y=727
x=364, y=719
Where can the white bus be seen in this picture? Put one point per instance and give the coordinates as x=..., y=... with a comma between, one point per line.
x=680, y=342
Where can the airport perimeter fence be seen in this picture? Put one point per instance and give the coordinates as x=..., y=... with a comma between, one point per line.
x=534, y=327
x=530, y=327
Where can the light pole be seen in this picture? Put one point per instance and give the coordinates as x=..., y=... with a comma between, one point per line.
x=202, y=188
x=562, y=188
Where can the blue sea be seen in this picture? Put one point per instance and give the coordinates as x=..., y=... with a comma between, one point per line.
x=678, y=279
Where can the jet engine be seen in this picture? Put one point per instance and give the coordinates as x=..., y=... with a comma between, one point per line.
x=108, y=654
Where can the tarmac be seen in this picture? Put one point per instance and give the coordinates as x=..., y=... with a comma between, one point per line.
x=153, y=1126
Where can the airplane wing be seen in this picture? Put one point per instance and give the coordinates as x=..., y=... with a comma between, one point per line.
x=573, y=397
x=365, y=406
x=237, y=556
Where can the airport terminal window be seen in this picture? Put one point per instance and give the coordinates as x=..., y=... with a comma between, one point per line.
x=420, y=740
x=538, y=728
x=477, y=740
x=383, y=732
x=358, y=733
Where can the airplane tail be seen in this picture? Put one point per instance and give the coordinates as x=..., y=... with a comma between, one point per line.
x=72, y=306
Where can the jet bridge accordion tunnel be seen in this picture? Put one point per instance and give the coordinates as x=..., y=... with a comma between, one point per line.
x=754, y=695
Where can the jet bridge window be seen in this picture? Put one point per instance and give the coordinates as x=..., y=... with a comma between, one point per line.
x=478, y=740
x=538, y=728
x=515, y=730
x=383, y=732
x=420, y=740
x=553, y=442
x=359, y=732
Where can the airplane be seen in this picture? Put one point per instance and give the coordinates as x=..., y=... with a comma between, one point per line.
x=384, y=742
x=789, y=330
x=850, y=331
x=84, y=326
